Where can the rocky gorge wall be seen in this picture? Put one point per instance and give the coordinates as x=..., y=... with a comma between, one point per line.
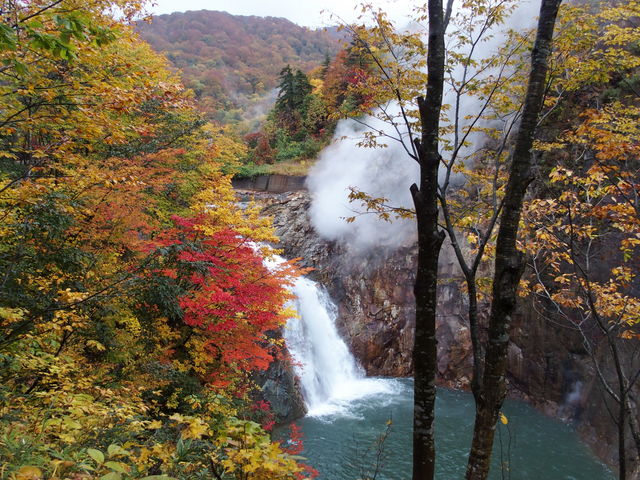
x=548, y=366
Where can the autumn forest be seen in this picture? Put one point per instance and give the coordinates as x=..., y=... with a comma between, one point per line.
x=139, y=305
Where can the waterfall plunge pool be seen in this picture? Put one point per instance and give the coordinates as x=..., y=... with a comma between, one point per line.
x=348, y=412
x=342, y=445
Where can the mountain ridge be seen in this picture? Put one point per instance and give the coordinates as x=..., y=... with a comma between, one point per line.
x=232, y=62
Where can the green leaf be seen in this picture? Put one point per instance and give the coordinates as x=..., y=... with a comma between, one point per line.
x=111, y=476
x=114, y=450
x=116, y=466
x=20, y=67
x=97, y=455
x=158, y=477
x=34, y=25
x=7, y=38
x=71, y=423
x=52, y=422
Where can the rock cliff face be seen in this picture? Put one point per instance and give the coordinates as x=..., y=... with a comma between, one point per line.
x=375, y=317
x=279, y=386
x=374, y=293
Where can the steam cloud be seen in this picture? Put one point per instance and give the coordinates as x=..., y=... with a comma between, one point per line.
x=381, y=172
x=385, y=172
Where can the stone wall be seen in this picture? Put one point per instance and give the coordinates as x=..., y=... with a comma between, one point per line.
x=270, y=183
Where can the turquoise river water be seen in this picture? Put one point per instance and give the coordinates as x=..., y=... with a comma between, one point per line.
x=342, y=445
x=348, y=411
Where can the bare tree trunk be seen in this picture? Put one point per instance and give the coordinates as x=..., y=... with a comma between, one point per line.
x=635, y=428
x=622, y=423
x=509, y=263
x=626, y=417
x=430, y=240
x=474, y=328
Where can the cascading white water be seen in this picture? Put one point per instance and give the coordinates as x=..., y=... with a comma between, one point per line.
x=330, y=378
x=325, y=364
x=329, y=375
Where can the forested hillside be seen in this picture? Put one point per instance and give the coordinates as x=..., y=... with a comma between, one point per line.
x=305, y=114
x=134, y=306
x=143, y=310
x=231, y=62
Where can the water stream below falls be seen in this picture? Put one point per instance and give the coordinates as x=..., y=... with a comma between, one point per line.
x=534, y=447
x=348, y=412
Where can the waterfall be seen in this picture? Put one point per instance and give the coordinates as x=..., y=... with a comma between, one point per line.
x=330, y=378
x=323, y=361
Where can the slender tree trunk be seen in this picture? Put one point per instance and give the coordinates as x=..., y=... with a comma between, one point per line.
x=424, y=350
x=509, y=263
x=622, y=405
x=474, y=328
x=626, y=416
x=622, y=423
x=622, y=398
x=635, y=428
x=430, y=240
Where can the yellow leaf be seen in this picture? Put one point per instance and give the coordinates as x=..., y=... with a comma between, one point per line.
x=503, y=418
x=29, y=473
x=196, y=428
